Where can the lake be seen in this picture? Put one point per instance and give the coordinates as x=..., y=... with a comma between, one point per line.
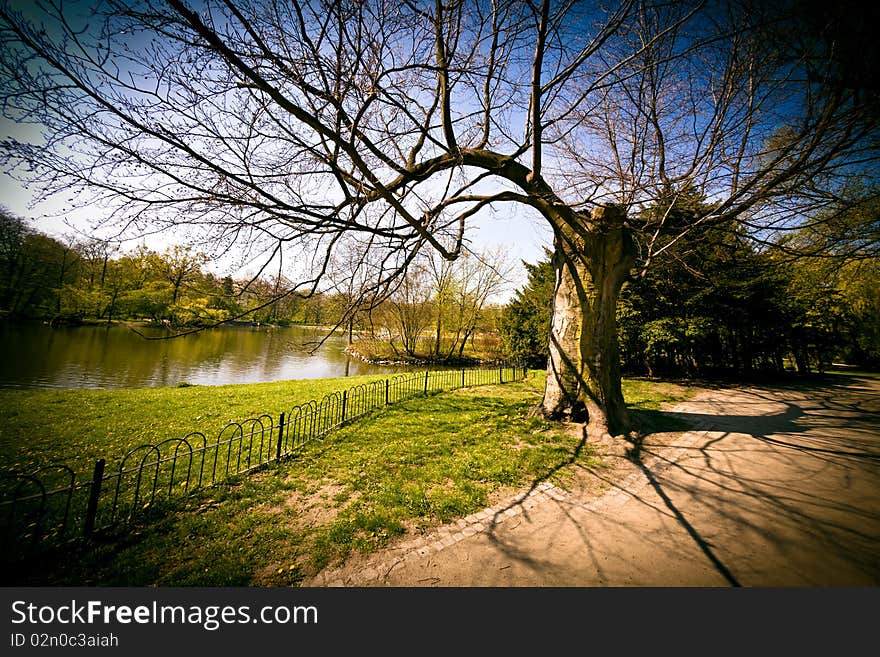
x=35, y=355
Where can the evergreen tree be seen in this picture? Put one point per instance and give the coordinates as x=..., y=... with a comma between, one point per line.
x=525, y=322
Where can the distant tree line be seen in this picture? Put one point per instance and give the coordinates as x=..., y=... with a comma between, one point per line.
x=437, y=310
x=68, y=282
x=714, y=303
x=717, y=304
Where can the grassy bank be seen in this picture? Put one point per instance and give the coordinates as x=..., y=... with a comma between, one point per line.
x=482, y=349
x=403, y=470
x=77, y=427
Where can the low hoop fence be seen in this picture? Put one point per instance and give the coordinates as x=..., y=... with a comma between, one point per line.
x=54, y=505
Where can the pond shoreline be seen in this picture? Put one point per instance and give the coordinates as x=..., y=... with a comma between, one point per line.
x=351, y=350
x=68, y=322
x=128, y=355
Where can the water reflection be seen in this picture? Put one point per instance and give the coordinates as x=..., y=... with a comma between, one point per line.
x=36, y=355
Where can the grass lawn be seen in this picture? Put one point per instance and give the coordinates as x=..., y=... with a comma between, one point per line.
x=76, y=427
x=405, y=469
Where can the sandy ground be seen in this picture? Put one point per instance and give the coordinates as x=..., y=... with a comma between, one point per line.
x=774, y=487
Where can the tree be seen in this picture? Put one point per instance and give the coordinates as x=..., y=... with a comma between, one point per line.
x=409, y=310
x=299, y=123
x=525, y=321
x=461, y=290
x=33, y=269
x=480, y=277
x=180, y=267
x=858, y=285
x=441, y=273
x=712, y=304
x=352, y=274
x=832, y=267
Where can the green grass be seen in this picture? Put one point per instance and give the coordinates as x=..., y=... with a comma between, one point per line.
x=402, y=470
x=853, y=372
x=76, y=427
x=652, y=395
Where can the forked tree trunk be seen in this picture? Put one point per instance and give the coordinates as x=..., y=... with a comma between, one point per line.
x=583, y=370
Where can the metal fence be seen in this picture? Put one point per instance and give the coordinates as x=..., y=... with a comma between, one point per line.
x=54, y=505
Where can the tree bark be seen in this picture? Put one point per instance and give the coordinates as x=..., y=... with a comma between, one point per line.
x=592, y=260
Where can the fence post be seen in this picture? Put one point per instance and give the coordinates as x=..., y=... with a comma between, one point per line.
x=94, y=494
x=344, y=404
x=462, y=377
x=501, y=374
x=386, y=392
x=426, y=382
x=280, y=438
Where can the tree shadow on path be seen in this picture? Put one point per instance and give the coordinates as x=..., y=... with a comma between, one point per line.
x=837, y=425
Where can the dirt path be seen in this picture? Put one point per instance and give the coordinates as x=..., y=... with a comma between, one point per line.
x=774, y=487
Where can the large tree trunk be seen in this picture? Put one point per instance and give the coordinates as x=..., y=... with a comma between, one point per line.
x=592, y=262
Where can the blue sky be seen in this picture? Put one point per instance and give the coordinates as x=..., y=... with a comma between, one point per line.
x=521, y=234
x=517, y=230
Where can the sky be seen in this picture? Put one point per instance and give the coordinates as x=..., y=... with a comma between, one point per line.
x=522, y=235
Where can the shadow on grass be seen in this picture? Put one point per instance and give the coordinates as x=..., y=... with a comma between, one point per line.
x=372, y=458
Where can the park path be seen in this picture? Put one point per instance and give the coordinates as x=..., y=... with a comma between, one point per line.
x=774, y=486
